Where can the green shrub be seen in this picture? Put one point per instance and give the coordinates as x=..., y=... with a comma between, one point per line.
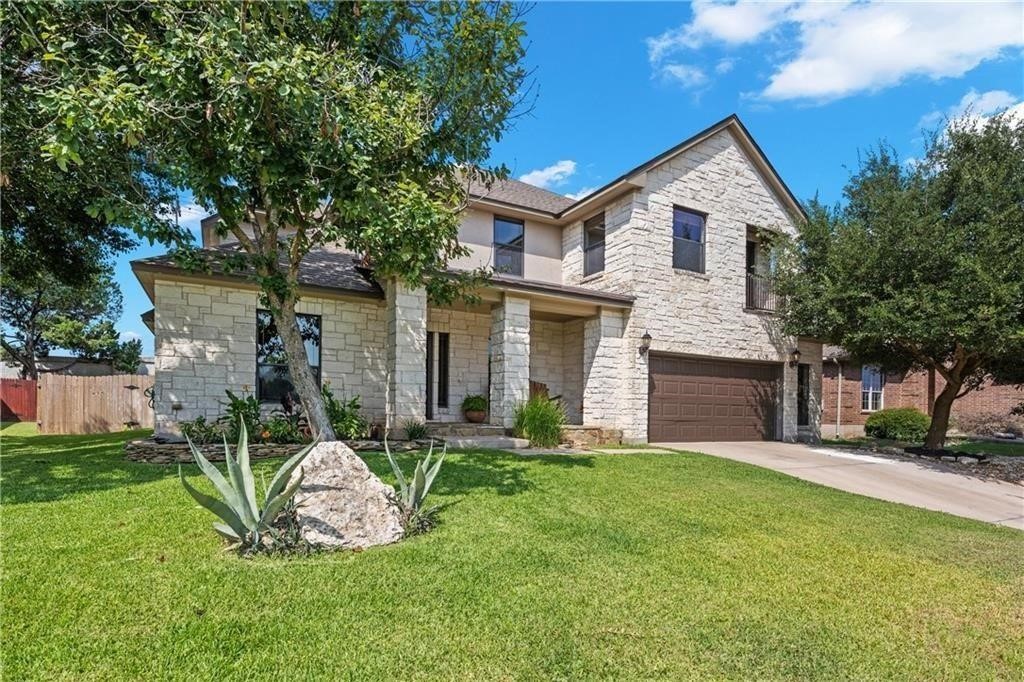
x=414, y=430
x=899, y=423
x=412, y=492
x=474, y=403
x=281, y=428
x=201, y=431
x=344, y=416
x=245, y=521
x=241, y=411
x=540, y=419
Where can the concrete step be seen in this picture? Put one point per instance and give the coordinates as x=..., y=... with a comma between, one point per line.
x=489, y=442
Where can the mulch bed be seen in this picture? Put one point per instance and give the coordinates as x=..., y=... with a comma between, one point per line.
x=994, y=467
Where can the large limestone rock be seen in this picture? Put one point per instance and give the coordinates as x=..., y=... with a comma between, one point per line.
x=342, y=504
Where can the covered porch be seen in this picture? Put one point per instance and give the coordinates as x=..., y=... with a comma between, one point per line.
x=519, y=338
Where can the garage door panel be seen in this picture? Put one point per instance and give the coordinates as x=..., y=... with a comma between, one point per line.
x=717, y=400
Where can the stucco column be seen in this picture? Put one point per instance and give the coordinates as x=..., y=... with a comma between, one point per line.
x=406, y=353
x=510, y=358
x=602, y=360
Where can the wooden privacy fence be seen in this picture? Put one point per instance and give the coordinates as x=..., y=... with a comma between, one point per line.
x=94, y=404
x=17, y=400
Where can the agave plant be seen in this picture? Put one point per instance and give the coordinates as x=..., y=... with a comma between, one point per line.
x=244, y=521
x=412, y=493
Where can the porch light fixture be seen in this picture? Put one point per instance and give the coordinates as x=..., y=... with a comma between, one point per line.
x=645, y=343
x=794, y=357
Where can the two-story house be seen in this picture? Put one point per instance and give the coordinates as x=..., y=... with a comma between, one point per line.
x=646, y=306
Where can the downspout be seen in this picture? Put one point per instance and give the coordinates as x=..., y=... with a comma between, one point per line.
x=839, y=397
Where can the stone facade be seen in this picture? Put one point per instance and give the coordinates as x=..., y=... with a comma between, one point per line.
x=205, y=334
x=206, y=343
x=510, y=358
x=700, y=314
x=406, y=350
x=467, y=357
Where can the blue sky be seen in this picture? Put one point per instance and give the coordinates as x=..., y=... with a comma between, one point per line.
x=617, y=83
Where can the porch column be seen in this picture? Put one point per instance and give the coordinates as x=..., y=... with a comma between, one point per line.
x=602, y=359
x=510, y=358
x=406, y=353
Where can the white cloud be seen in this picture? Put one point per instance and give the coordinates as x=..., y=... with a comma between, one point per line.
x=576, y=196
x=833, y=50
x=737, y=23
x=129, y=336
x=684, y=74
x=553, y=175
x=724, y=66
x=980, y=104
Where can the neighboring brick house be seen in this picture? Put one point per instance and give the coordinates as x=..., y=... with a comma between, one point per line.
x=665, y=256
x=852, y=391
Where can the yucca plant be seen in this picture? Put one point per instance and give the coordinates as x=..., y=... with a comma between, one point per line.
x=245, y=522
x=412, y=493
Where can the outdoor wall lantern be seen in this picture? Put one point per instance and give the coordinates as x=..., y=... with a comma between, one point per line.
x=794, y=357
x=645, y=343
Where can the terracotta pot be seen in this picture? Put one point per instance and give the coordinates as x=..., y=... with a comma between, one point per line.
x=476, y=416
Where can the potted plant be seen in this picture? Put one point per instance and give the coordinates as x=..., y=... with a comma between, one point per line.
x=474, y=407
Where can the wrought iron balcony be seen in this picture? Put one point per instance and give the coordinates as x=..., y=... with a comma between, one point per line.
x=760, y=292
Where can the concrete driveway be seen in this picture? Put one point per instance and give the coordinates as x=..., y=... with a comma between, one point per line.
x=886, y=479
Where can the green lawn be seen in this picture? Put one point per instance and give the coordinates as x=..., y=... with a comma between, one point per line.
x=561, y=567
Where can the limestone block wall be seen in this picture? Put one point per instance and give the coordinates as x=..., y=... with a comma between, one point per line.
x=467, y=359
x=510, y=358
x=205, y=343
x=406, y=348
x=556, y=359
x=685, y=312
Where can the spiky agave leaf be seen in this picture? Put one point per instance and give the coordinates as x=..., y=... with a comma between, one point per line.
x=227, y=533
x=219, y=509
x=242, y=456
x=235, y=477
x=403, y=487
x=284, y=473
x=227, y=492
x=432, y=473
x=275, y=505
x=416, y=489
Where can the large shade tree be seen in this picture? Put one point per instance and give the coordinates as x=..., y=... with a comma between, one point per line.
x=300, y=124
x=922, y=266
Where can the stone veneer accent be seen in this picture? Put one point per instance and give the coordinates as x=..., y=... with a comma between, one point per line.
x=510, y=358
x=602, y=362
x=699, y=314
x=556, y=359
x=205, y=343
x=407, y=352
x=467, y=357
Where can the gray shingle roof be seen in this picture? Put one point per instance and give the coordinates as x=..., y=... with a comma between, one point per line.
x=517, y=193
x=331, y=268
x=326, y=268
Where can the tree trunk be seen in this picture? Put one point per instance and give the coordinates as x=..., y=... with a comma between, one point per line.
x=936, y=437
x=298, y=366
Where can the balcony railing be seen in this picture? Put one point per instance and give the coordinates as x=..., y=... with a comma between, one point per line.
x=508, y=260
x=593, y=259
x=760, y=292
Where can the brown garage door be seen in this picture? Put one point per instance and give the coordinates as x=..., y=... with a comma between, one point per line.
x=695, y=399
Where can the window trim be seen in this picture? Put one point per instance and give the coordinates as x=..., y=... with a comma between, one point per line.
x=869, y=392
x=317, y=369
x=588, y=246
x=703, y=238
x=495, y=244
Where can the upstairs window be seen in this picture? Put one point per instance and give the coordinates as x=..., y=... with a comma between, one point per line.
x=273, y=380
x=687, y=240
x=593, y=245
x=871, y=385
x=508, y=246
